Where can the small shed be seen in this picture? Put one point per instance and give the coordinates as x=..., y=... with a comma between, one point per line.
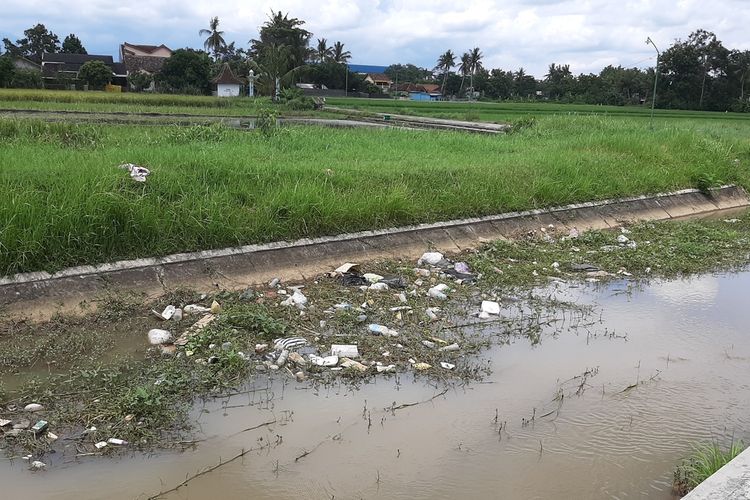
x=227, y=84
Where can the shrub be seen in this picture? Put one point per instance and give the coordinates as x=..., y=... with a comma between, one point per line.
x=26, y=79
x=266, y=122
x=95, y=73
x=706, y=460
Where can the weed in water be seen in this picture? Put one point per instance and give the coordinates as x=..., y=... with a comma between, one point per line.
x=705, y=460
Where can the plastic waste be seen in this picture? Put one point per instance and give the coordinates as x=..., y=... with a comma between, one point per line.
x=431, y=258
x=158, y=337
x=490, y=307
x=382, y=330
x=345, y=350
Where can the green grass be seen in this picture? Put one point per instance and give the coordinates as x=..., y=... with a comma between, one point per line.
x=705, y=461
x=64, y=201
x=511, y=111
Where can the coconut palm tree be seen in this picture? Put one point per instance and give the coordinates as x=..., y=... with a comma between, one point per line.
x=475, y=64
x=464, y=67
x=323, y=52
x=214, y=38
x=339, y=54
x=272, y=65
x=446, y=62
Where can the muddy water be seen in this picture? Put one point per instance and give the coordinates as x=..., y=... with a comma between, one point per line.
x=668, y=365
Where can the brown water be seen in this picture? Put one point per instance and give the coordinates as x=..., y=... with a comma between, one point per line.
x=686, y=344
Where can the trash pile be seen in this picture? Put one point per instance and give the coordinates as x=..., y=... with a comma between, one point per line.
x=137, y=173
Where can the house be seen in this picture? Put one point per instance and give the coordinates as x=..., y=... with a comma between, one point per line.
x=144, y=58
x=57, y=67
x=23, y=63
x=227, y=85
x=381, y=80
x=363, y=69
x=421, y=91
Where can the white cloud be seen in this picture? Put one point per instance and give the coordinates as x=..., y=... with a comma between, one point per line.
x=587, y=34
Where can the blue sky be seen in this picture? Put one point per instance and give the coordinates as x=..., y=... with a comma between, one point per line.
x=587, y=34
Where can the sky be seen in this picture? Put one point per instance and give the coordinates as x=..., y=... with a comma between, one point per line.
x=587, y=34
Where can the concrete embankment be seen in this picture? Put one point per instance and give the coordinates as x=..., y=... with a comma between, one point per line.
x=233, y=268
x=731, y=481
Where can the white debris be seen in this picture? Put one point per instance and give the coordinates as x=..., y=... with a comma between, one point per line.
x=177, y=316
x=448, y=348
x=422, y=366
x=137, y=173
x=350, y=363
x=158, y=337
x=484, y=315
x=379, y=287
x=428, y=344
x=33, y=407
x=438, y=291
x=347, y=268
x=116, y=442
x=100, y=445
x=490, y=307
x=402, y=298
x=274, y=283
x=345, y=350
x=37, y=465
x=283, y=356
x=286, y=343
x=324, y=361
x=431, y=258
x=385, y=369
x=372, y=277
x=447, y=366
x=432, y=313
x=382, y=330
x=622, y=239
x=196, y=309
x=215, y=307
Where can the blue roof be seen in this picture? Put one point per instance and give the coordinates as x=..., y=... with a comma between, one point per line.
x=367, y=68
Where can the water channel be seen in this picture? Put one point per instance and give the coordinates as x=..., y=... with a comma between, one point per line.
x=661, y=368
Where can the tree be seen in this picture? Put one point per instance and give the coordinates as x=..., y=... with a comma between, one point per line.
x=281, y=30
x=214, y=38
x=445, y=63
x=408, y=73
x=340, y=55
x=464, y=67
x=7, y=70
x=272, y=66
x=558, y=80
x=187, y=70
x=37, y=40
x=475, y=64
x=322, y=52
x=95, y=73
x=72, y=45
x=140, y=80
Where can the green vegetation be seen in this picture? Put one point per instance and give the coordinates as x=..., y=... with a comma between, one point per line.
x=66, y=203
x=705, y=460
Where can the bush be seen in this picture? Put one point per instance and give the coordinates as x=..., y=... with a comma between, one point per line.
x=26, y=79
x=140, y=81
x=266, y=122
x=7, y=69
x=96, y=74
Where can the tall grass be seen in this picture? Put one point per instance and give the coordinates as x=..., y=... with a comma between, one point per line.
x=704, y=462
x=65, y=203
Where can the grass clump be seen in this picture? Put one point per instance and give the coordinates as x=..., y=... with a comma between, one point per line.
x=705, y=460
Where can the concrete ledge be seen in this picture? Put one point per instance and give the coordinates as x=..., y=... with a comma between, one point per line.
x=252, y=264
x=730, y=482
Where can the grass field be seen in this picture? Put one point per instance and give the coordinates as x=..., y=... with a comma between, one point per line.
x=64, y=201
x=510, y=111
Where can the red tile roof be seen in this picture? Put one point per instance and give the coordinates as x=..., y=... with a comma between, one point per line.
x=226, y=77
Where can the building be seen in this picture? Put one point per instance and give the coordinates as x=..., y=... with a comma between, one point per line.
x=144, y=58
x=65, y=67
x=421, y=91
x=27, y=64
x=363, y=69
x=381, y=80
x=227, y=84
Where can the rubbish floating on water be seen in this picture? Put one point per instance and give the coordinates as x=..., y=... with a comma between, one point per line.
x=137, y=173
x=448, y=348
x=287, y=343
x=158, y=337
x=431, y=258
x=37, y=465
x=196, y=309
x=350, y=363
x=345, y=350
x=385, y=369
x=297, y=359
x=382, y=330
x=117, y=442
x=100, y=445
x=422, y=366
x=33, y=407
x=52, y=437
x=490, y=307
x=447, y=366
x=324, y=361
x=300, y=376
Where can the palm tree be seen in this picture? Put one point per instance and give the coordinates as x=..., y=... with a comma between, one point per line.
x=215, y=38
x=446, y=62
x=475, y=64
x=464, y=68
x=339, y=54
x=323, y=52
x=272, y=65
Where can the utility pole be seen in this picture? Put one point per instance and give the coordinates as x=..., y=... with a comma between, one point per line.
x=656, y=77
